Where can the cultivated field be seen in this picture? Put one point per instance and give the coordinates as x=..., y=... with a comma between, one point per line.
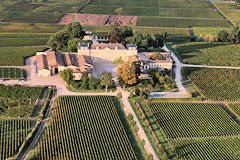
x=86, y=127
x=162, y=13
x=15, y=56
x=211, y=149
x=11, y=73
x=12, y=133
x=198, y=130
x=214, y=54
x=186, y=120
x=17, y=101
x=215, y=84
x=236, y=108
x=231, y=11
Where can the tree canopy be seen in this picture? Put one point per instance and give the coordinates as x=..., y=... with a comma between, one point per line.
x=127, y=74
x=67, y=76
x=66, y=38
x=157, y=56
x=144, y=41
x=106, y=80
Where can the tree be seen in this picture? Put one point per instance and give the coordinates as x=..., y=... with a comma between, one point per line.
x=116, y=36
x=235, y=34
x=118, y=61
x=93, y=82
x=118, y=11
x=106, y=80
x=67, y=76
x=157, y=56
x=127, y=74
x=160, y=149
x=59, y=40
x=164, y=156
x=75, y=30
x=137, y=66
x=73, y=44
x=223, y=36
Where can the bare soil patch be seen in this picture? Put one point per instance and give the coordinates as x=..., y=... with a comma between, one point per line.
x=97, y=19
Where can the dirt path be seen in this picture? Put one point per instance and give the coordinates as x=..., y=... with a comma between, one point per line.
x=128, y=109
x=40, y=128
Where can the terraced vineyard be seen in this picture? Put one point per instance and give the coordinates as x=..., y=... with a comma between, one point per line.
x=12, y=134
x=210, y=149
x=216, y=84
x=84, y=127
x=186, y=120
x=236, y=108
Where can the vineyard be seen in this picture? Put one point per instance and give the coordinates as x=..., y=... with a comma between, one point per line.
x=210, y=149
x=186, y=120
x=18, y=101
x=215, y=84
x=18, y=42
x=236, y=108
x=212, y=54
x=11, y=73
x=12, y=134
x=15, y=56
x=84, y=127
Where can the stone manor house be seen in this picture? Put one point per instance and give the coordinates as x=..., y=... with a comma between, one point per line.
x=51, y=62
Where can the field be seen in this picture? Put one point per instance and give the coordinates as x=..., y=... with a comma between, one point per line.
x=15, y=56
x=11, y=73
x=85, y=127
x=236, y=108
x=231, y=11
x=48, y=12
x=186, y=120
x=162, y=13
x=17, y=101
x=12, y=134
x=211, y=149
x=198, y=130
x=215, y=84
x=204, y=53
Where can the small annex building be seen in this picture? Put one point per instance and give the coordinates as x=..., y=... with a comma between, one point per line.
x=147, y=63
x=107, y=51
x=50, y=63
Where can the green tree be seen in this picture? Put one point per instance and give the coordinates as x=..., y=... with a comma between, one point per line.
x=73, y=44
x=119, y=11
x=93, y=82
x=137, y=66
x=164, y=156
x=157, y=56
x=59, y=40
x=116, y=36
x=223, y=36
x=106, y=80
x=235, y=34
x=67, y=76
x=75, y=30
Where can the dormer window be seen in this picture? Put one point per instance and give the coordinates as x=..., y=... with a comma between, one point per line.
x=116, y=48
x=97, y=47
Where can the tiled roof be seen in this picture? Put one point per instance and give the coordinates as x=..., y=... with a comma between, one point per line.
x=42, y=62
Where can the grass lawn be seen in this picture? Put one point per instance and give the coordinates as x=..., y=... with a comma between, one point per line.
x=204, y=53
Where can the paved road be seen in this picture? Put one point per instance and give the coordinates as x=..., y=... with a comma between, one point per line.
x=182, y=93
